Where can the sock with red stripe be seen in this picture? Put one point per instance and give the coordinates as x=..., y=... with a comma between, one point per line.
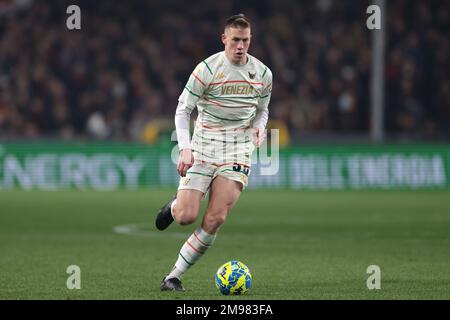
x=194, y=247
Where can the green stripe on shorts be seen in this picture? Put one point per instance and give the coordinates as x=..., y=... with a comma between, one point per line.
x=202, y=174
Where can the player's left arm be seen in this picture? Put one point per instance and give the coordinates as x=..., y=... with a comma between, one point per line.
x=262, y=110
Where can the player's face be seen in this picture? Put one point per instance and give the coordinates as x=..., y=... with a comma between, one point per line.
x=236, y=41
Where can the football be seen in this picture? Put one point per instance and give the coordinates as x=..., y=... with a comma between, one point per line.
x=233, y=278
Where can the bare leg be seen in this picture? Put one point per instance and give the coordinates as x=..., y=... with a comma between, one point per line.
x=187, y=206
x=223, y=196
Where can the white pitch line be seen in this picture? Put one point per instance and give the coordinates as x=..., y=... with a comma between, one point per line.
x=143, y=230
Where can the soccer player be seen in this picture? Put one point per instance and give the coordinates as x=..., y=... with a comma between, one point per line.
x=231, y=90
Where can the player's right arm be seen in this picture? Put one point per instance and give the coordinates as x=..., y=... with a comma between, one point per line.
x=193, y=91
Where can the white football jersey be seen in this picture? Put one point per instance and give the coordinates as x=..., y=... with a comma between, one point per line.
x=227, y=97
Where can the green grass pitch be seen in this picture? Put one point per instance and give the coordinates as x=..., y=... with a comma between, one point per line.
x=297, y=244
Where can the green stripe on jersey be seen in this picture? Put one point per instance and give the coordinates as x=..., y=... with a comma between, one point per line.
x=265, y=70
x=192, y=92
x=207, y=66
x=226, y=118
x=215, y=139
x=201, y=153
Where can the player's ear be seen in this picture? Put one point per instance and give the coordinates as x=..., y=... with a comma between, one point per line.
x=224, y=37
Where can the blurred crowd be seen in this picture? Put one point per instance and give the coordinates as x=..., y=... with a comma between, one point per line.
x=120, y=76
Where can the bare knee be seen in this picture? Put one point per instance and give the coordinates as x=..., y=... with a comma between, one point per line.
x=185, y=215
x=187, y=206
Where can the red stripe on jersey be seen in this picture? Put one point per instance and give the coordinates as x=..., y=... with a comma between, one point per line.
x=203, y=84
x=213, y=102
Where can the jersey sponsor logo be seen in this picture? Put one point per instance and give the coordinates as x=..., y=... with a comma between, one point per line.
x=237, y=89
x=220, y=76
x=251, y=75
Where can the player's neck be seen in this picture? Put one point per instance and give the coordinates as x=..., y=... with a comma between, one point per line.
x=237, y=63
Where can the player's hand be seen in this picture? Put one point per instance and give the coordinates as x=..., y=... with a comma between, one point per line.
x=258, y=136
x=185, y=161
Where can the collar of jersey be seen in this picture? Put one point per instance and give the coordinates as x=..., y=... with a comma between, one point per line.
x=240, y=66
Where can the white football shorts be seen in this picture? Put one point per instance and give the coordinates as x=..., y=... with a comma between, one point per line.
x=201, y=174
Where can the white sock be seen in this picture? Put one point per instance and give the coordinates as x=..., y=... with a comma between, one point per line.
x=194, y=247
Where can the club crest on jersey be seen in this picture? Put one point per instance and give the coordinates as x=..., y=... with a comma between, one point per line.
x=184, y=181
x=251, y=75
